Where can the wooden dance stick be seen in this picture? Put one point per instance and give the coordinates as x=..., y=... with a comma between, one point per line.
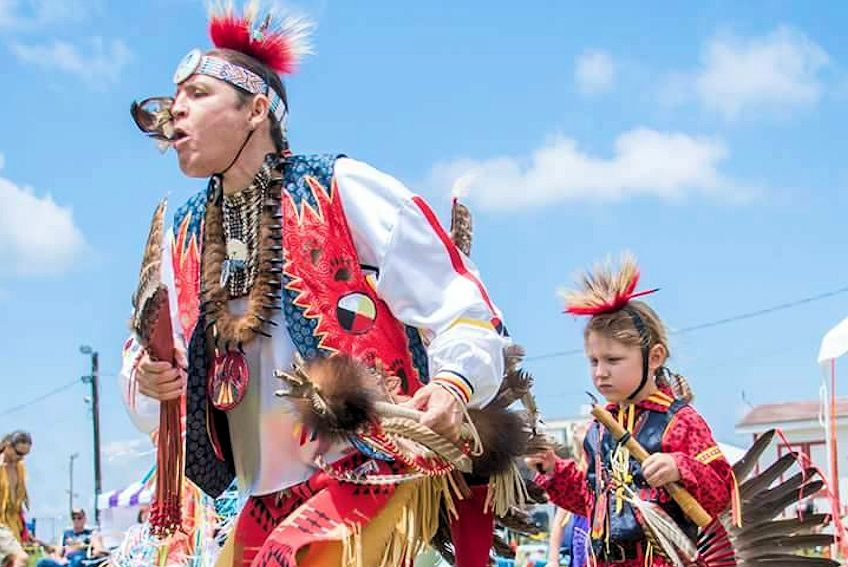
x=684, y=499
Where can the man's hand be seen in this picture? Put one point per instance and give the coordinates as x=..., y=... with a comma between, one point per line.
x=542, y=462
x=161, y=380
x=442, y=411
x=660, y=469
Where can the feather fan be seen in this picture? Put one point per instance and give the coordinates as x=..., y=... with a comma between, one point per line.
x=151, y=322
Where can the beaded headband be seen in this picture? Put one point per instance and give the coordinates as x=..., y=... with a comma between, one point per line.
x=195, y=63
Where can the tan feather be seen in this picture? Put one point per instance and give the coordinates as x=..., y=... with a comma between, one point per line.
x=787, y=487
x=783, y=544
x=519, y=521
x=514, y=386
x=752, y=487
x=789, y=527
x=513, y=357
x=789, y=560
x=502, y=548
x=535, y=493
x=762, y=541
x=773, y=508
x=674, y=543
x=744, y=466
x=150, y=274
x=461, y=228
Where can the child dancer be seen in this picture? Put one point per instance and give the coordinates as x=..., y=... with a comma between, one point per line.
x=627, y=347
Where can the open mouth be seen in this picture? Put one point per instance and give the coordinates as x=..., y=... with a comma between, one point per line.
x=178, y=135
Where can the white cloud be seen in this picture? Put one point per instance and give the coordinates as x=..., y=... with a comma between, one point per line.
x=128, y=449
x=594, y=71
x=776, y=71
x=29, y=14
x=645, y=162
x=37, y=236
x=102, y=65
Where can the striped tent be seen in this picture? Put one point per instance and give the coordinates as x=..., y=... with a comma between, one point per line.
x=133, y=495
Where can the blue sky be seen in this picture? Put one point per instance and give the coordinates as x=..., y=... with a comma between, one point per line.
x=709, y=140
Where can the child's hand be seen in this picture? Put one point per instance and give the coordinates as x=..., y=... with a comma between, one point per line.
x=659, y=469
x=542, y=462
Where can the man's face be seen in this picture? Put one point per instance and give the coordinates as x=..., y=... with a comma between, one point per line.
x=78, y=519
x=210, y=125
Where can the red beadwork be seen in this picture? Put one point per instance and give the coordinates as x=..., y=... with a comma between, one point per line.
x=228, y=378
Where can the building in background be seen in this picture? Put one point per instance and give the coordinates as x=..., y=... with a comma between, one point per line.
x=802, y=424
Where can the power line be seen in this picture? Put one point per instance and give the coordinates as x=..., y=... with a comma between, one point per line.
x=39, y=398
x=715, y=323
x=752, y=314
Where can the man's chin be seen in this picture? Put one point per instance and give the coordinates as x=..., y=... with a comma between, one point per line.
x=190, y=168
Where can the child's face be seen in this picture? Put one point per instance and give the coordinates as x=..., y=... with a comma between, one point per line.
x=616, y=367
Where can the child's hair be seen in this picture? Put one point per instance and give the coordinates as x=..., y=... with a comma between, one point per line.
x=606, y=294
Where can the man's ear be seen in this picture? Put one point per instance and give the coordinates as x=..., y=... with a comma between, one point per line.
x=259, y=109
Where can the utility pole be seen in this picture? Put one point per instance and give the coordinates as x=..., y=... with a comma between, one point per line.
x=71, y=483
x=94, y=380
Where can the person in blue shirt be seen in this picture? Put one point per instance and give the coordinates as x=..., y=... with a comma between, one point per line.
x=75, y=543
x=568, y=540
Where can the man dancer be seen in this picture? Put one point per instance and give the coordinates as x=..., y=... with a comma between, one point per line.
x=314, y=255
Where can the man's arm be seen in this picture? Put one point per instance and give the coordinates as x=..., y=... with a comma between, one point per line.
x=427, y=283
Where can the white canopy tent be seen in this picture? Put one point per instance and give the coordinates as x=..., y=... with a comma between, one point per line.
x=833, y=346
x=835, y=343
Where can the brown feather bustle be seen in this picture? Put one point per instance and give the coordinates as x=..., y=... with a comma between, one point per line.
x=342, y=403
x=765, y=537
x=504, y=437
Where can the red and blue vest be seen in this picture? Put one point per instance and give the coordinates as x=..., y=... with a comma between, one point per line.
x=328, y=303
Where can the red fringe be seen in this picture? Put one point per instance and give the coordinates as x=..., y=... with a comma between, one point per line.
x=273, y=49
x=165, y=513
x=619, y=301
x=840, y=535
